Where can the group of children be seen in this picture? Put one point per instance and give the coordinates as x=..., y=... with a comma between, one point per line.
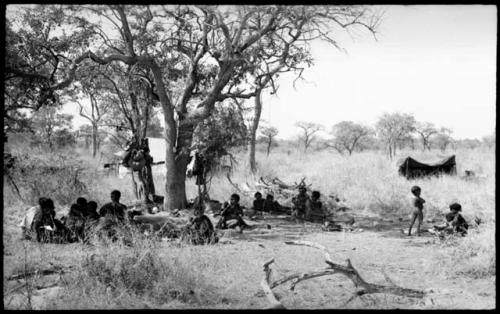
x=455, y=222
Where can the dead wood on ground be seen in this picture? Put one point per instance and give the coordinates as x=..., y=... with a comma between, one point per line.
x=362, y=287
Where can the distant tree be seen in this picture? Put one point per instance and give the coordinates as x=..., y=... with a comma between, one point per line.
x=84, y=133
x=268, y=133
x=425, y=130
x=489, y=141
x=468, y=143
x=47, y=124
x=90, y=86
x=64, y=138
x=309, y=130
x=443, y=138
x=369, y=142
x=347, y=136
x=395, y=128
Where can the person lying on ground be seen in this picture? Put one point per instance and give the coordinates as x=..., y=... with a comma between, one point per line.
x=258, y=204
x=455, y=222
x=232, y=210
x=418, y=209
x=301, y=208
x=200, y=229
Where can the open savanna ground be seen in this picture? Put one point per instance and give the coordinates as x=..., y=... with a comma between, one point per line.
x=455, y=273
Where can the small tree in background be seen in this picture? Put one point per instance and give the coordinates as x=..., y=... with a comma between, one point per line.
x=443, y=138
x=268, y=133
x=489, y=141
x=425, y=130
x=394, y=128
x=347, y=136
x=48, y=125
x=308, y=134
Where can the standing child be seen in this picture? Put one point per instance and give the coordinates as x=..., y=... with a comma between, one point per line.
x=418, y=208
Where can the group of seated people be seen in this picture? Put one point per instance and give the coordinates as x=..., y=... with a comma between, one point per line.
x=77, y=224
x=304, y=208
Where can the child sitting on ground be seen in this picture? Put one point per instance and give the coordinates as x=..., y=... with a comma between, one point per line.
x=317, y=212
x=455, y=222
x=200, y=229
x=258, y=204
x=232, y=210
x=418, y=209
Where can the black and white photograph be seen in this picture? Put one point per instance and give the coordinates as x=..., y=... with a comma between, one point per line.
x=249, y=156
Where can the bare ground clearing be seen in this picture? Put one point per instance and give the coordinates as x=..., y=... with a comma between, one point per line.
x=234, y=268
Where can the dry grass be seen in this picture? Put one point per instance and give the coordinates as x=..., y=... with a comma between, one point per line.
x=152, y=274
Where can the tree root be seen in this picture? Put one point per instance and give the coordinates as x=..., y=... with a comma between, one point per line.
x=362, y=287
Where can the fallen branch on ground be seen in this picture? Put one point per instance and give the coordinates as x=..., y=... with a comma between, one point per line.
x=362, y=287
x=42, y=272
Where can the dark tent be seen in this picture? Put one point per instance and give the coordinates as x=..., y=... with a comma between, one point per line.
x=410, y=168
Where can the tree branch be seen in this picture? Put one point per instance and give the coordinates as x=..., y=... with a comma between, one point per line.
x=362, y=287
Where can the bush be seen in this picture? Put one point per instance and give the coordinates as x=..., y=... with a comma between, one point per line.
x=51, y=175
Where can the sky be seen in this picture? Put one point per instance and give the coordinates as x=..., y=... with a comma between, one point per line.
x=435, y=62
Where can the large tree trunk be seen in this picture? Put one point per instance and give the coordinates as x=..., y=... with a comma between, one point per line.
x=177, y=159
x=253, y=130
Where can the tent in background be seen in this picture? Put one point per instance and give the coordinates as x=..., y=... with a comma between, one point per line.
x=411, y=168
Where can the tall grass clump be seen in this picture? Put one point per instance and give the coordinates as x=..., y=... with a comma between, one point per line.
x=134, y=272
x=473, y=256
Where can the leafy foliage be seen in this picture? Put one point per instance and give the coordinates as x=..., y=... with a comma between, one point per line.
x=218, y=134
x=395, y=128
x=347, y=136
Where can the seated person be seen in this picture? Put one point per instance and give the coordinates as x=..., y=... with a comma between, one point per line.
x=455, y=222
x=112, y=214
x=317, y=211
x=230, y=211
x=200, y=229
x=90, y=211
x=301, y=208
x=270, y=205
x=258, y=204
x=47, y=228
x=114, y=210
x=75, y=221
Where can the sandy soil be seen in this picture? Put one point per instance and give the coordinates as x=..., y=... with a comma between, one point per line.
x=373, y=248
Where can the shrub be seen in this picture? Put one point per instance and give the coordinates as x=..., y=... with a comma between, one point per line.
x=52, y=175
